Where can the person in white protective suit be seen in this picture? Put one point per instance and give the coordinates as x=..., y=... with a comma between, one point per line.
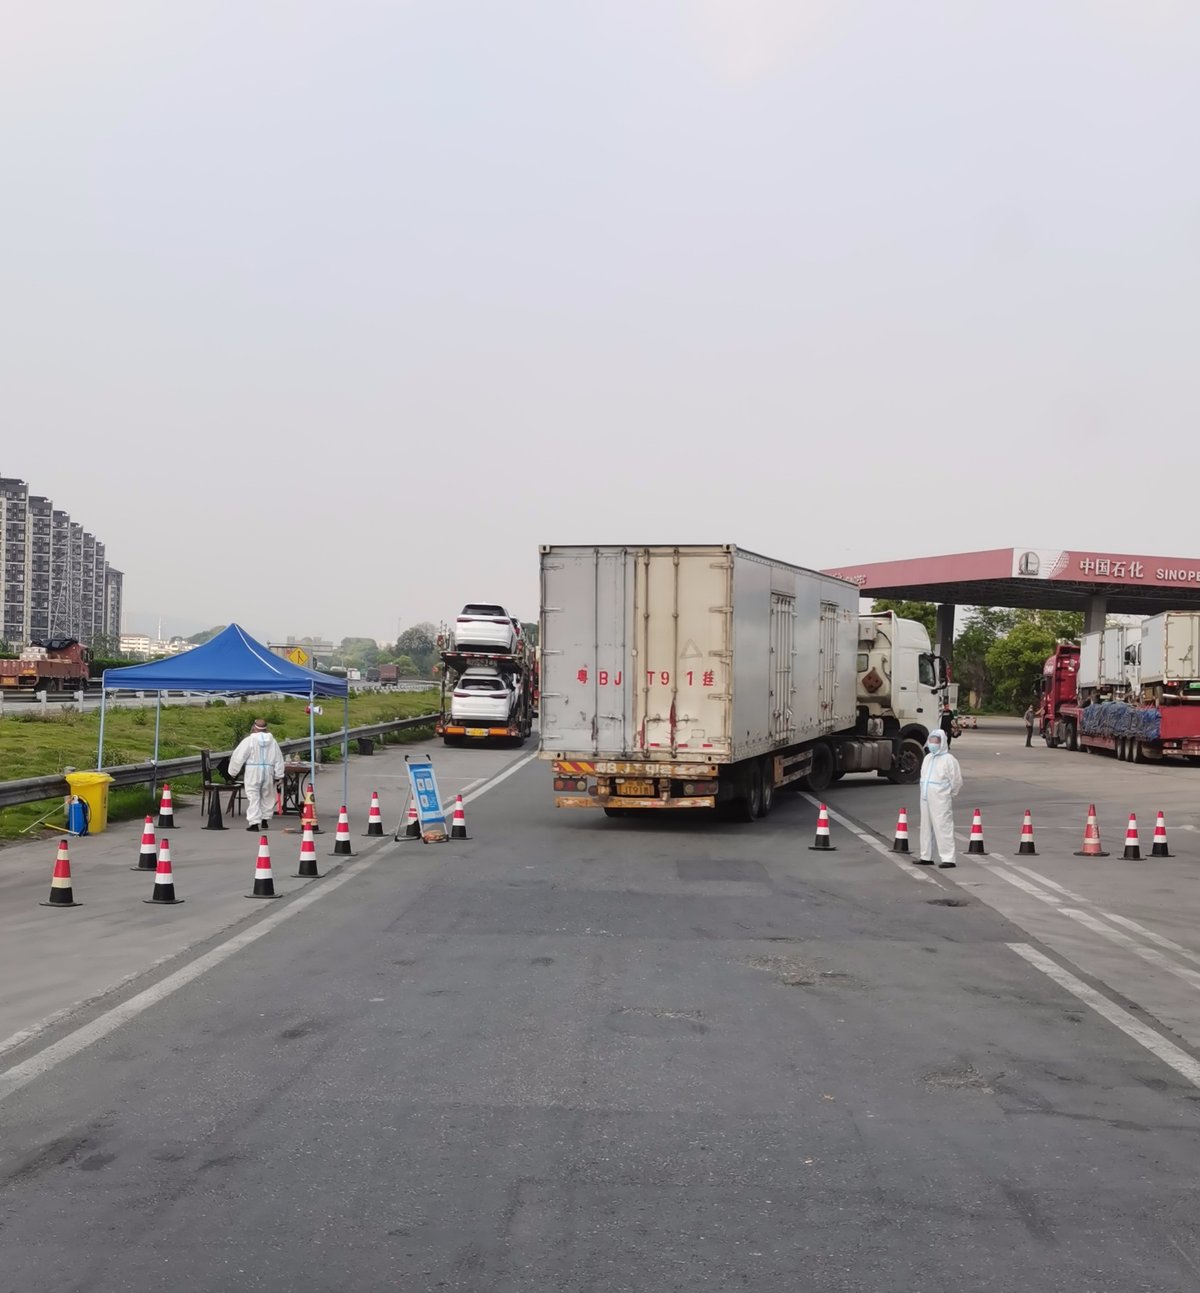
x=941, y=780
x=262, y=758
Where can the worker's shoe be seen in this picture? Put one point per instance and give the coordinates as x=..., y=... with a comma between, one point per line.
x=945, y=866
x=266, y=826
x=252, y=827
x=923, y=861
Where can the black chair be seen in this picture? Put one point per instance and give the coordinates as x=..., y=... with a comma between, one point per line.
x=219, y=784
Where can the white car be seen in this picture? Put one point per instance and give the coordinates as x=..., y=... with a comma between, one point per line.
x=482, y=626
x=482, y=696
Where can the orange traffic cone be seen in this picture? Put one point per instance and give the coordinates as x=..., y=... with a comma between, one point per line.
x=166, y=810
x=1091, y=837
x=822, y=842
x=374, y=816
x=341, y=837
x=975, y=843
x=1160, y=849
x=458, y=825
x=164, y=881
x=412, y=825
x=309, y=812
x=264, y=881
x=1026, y=846
x=308, y=860
x=1133, y=845
x=148, y=853
x=900, y=842
x=61, y=893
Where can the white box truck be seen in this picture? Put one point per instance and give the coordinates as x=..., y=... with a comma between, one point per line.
x=685, y=676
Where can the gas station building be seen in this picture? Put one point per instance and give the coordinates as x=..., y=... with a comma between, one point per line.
x=1095, y=583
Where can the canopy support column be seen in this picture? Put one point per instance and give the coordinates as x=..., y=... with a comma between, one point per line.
x=103, y=707
x=346, y=748
x=312, y=740
x=1095, y=613
x=157, y=727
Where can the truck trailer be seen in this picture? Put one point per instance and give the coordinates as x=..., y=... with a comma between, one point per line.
x=692, y=676
x=470, y=716
x=53, y=664
x=1133, y=692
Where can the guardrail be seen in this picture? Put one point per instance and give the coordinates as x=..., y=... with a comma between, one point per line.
x=32, y=789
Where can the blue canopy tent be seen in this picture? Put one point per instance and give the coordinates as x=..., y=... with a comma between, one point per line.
x=232, y=662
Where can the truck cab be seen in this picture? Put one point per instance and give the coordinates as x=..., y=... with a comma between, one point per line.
x=1057, y=705
x=901, y=684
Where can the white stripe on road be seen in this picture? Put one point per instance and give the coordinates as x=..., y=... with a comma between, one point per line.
x=1132, y=945
x=871, y=841
x=1170, y=1054
x=20, y=1075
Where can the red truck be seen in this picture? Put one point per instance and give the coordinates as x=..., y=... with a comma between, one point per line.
x=1079, y=717
x=54, y=664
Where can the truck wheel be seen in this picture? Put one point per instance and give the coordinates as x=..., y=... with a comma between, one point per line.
x=768, y=787
x=1070, y=737
x=908, y=764
x=748, y=806
x=821, y=775
x=1135, y=751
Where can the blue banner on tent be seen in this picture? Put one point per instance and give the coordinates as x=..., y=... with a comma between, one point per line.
x=423, y=781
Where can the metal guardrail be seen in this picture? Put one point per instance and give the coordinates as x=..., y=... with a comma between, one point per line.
x=32, y=789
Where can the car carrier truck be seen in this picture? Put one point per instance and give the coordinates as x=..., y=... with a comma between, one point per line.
x=1130, y=691
x=485, y=695
x=692, y=676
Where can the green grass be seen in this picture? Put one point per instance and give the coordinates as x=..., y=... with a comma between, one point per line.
x=33, y=746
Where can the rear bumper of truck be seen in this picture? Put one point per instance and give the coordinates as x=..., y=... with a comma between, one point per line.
x=624, y=801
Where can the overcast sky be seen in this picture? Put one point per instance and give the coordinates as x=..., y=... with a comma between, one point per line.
x=323, y=316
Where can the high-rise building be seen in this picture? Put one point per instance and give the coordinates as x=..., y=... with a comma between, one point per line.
x=55, y=580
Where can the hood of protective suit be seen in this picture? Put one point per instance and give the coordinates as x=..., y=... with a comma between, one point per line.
x=935, y=743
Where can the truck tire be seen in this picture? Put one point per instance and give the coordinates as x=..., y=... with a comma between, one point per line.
x=768, y=787
x=1070, y=737
x=748, y=807
x=821, y=776
x=907, y=771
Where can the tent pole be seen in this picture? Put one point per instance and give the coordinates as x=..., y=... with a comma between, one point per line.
x=346, y=748
x=312, y=740
x=157, y=726
x=103, y=707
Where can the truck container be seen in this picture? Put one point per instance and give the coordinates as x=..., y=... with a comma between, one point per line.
x=389, y=672
x=684, y=676
x=53, y=664
x=1170, y=653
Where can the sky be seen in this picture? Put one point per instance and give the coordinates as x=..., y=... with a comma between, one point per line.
x=323, y=317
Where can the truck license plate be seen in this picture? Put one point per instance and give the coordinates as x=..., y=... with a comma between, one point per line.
x=638, y=789
x=477, y=731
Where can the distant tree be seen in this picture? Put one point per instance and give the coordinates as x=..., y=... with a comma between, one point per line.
x=420, y=644
x=1014, y=662
x=359, y=653
x=105, y=645
x=206, y=635
x=406, y=666
x=532, y=633
x=923, y=612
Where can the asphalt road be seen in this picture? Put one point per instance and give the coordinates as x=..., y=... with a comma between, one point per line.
x=580, y=1054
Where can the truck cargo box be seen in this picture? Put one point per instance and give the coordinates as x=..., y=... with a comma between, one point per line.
x=1171, y=648
x=697, y=653
x=1091, y=649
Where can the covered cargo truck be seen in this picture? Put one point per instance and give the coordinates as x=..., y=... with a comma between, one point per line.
x=683, y=677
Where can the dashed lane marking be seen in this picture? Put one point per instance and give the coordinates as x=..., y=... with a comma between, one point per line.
x=872, y=841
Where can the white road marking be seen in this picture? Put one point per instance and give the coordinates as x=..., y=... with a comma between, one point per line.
x=898, y=858
x=1132, y=945
x=1158, y=1046
x=20, y=1075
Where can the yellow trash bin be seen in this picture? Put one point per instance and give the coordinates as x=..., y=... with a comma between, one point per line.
x=92, y=788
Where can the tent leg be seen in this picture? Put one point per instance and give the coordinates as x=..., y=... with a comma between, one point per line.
x=157, y=728
x=100, y=749
x=312, y=741
x=346, y=749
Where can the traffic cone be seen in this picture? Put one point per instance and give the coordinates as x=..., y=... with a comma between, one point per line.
x=458, y=825
x=900, y=842
x=341, y=838
x=374, y=816
x=216, y=822
x=264, y=881
x=309, y=812
x=822, y=842
x=412, y=826
x=1027, y=847
x=1091, y=837
x=148, y=853
x=1133, y=845
x=164, y=881
x=1160, y=849
x=166, y=810
x=975, y=843
x=308, y=861
x=61, y=893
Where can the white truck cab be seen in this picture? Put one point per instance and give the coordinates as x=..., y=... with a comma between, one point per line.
x=901, y=684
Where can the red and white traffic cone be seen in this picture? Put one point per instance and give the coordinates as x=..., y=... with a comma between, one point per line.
x=61, y=893
x=164, y=881
x=900, y=842
x=374, y=816
x=264, y=881
x=975, y=843
x=1026, y=847
x=458, y=824
x=341, y=838
x=1091, y=837
x=166, y=810
x=148, y=853
x=307, y=869
x=1133, y=845
x=412, y=825
x=1160, y=849
x=822, y=843
x=309, y=812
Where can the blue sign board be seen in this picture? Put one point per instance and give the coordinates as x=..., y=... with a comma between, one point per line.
x=423, y=781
